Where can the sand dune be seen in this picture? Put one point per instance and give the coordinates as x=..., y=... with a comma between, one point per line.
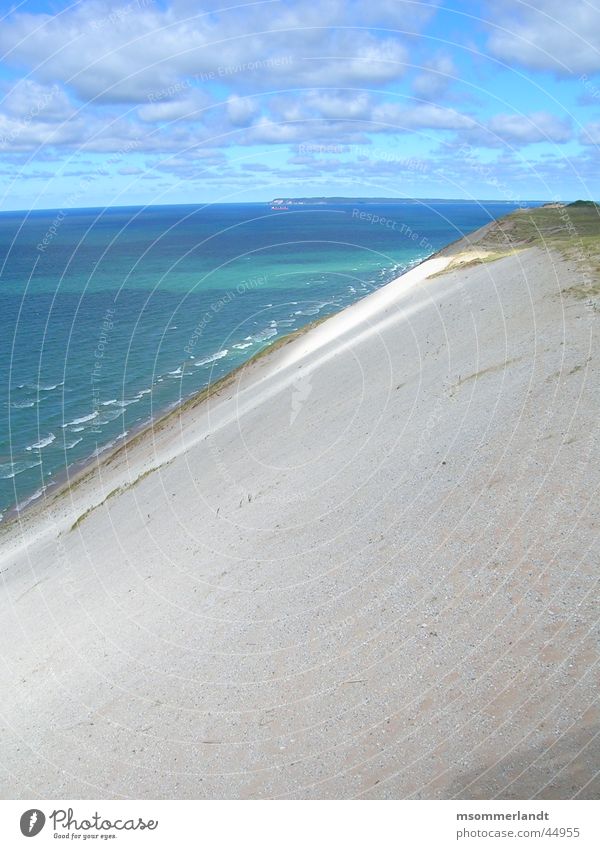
x=365, y=567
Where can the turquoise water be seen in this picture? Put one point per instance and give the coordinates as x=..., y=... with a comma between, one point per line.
x=110, y=316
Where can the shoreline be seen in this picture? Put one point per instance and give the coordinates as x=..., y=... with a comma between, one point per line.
x=79, y=470
x=74, y=473
x=34, y=515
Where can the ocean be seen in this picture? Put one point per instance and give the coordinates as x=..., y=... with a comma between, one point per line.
x=112, y=316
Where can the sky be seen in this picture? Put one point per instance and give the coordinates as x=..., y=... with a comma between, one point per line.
x=129, y=102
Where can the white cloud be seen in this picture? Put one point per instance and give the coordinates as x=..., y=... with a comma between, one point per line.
x=549, y=35
x=434, y=81
x=424, y=116
x=590, y=134
x=125, y=57
x=529, y=129
x=347, y=105
x=311, y=131
x=27, y=100
x=364, y=58
x=190, y=108
x=241, y=110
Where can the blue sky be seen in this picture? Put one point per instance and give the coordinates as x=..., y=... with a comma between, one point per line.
x=116, y=102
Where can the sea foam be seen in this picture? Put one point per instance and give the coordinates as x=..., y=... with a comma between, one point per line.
x=42, y=443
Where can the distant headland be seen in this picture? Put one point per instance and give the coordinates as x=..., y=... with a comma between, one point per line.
x=322, y=201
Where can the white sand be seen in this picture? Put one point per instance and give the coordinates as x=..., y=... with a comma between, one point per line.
x=366, y=568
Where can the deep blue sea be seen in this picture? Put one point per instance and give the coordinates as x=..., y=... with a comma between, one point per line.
x=109, y=316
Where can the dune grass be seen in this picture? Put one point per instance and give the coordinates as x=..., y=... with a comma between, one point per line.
x=572, y=230
x=564, y=228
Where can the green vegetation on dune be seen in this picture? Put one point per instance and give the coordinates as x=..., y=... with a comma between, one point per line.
x=465, y=260
x=560, y=227
x=572, y=230
x=584, y=203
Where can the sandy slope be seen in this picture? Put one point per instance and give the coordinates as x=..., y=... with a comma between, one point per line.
x=365, y=568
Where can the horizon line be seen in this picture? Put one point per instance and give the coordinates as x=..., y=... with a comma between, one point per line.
x=339, y=198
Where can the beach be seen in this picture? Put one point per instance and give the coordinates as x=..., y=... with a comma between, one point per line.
x=364, y=565
x=153, y=304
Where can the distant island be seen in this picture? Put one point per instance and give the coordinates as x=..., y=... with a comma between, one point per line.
x=322, y=201
x=285, y=203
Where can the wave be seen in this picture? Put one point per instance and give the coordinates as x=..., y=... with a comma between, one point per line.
x=265, y=334
x=48, y=440
x=241, y=345
x=81, y=420
x=102, y=448
x=109, y=416
x=218, y=356
x=109, y=403
x=311, y=311
x=21, y=405
x=137, y=397
x=74, y=443
x=177, y=371
x=11, y=470
x=31, y=498
x=51, y=387
x=40, y=387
